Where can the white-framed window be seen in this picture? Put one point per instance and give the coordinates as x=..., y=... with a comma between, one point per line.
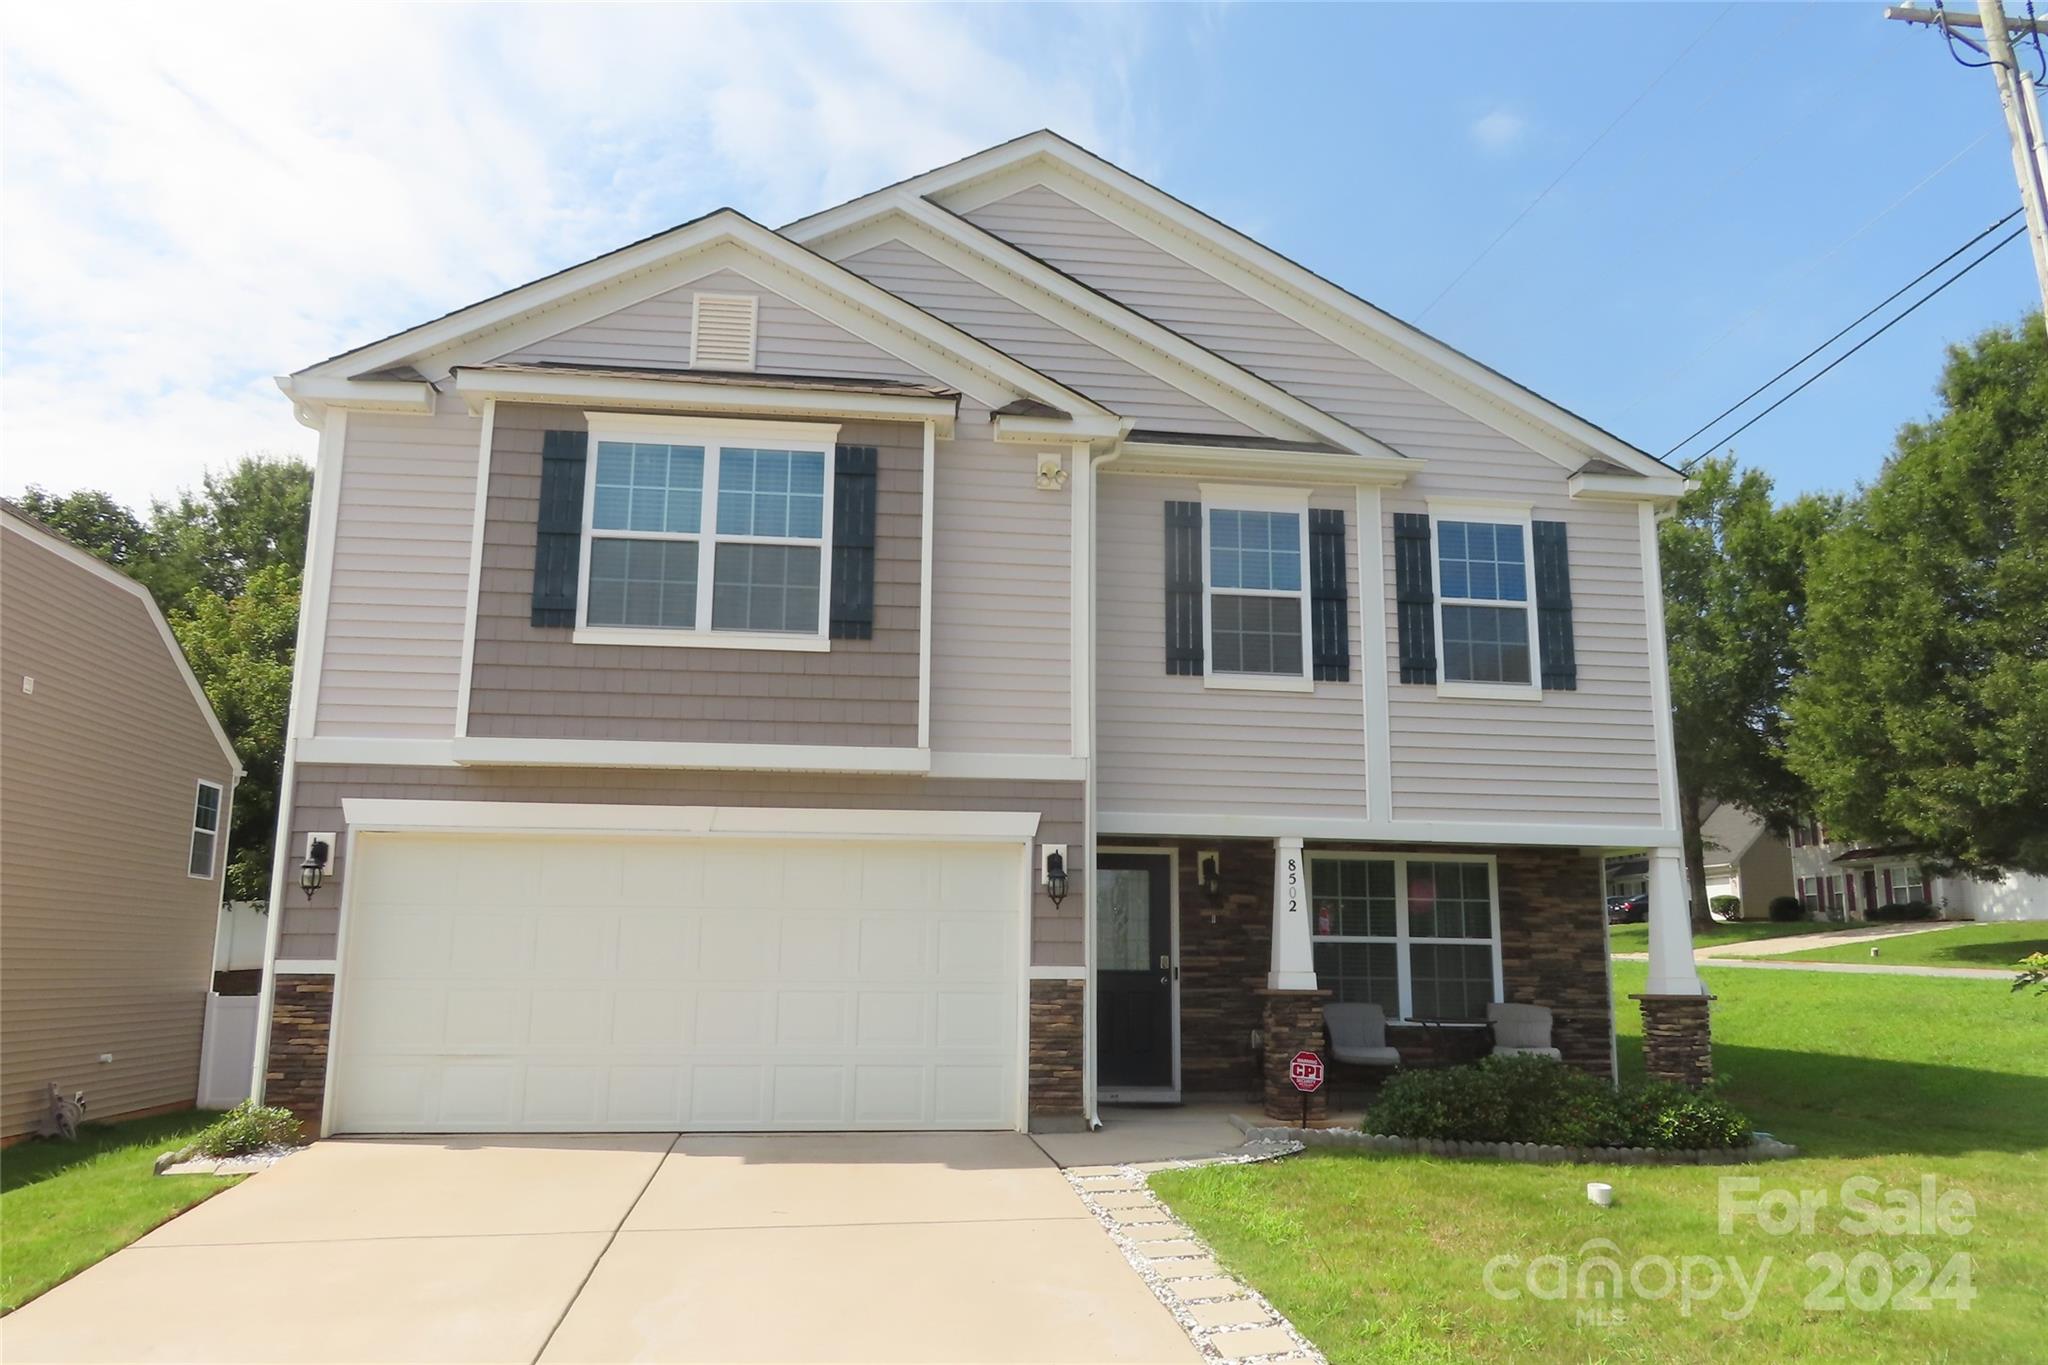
x=1836, y=899
x=1485, y=600
x=1909, y=884
x=205, y=830
x=1255, y=603
x=1417, y=936
x=706, y=531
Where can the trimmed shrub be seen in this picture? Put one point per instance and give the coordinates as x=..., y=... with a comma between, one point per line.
x=1535, y=1099
x=248, y=1127
x=1911, y=910
x=1725, y=907
x=1787, y=910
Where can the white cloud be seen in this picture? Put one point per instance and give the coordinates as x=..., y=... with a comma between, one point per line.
x=1499, y=130
x=194, y=201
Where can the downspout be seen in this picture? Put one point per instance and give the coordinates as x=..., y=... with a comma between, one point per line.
x=1092, y=465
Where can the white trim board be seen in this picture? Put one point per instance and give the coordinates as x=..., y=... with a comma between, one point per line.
x=34, y=534
x=1497, y=834
x=379, y=815
x=615, y=753
x=478, y=386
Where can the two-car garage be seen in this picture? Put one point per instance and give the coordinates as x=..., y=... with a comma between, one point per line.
x=866, y=976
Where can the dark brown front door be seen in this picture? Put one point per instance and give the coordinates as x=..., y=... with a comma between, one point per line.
x=1134, y=971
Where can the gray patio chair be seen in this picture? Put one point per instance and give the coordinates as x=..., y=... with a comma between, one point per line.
x=1521, y=1031
x=1358, y=1035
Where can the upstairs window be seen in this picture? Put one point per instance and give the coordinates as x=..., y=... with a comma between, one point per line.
x=1256, y=598
x=1486, y=613
x=707, y=534
x=205, y=830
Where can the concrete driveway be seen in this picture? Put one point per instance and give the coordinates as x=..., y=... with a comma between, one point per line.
x=891, y=1247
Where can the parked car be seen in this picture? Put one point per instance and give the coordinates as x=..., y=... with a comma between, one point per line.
x=1628, y=909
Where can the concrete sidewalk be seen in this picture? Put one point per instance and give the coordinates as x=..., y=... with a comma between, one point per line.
x=1853, y=968
x=1799, y=943
x=828, y=1247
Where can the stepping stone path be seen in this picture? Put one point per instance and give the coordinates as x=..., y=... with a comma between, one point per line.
x=1226, y=1319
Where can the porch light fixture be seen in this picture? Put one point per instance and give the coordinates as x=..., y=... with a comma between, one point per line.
x=1056, y=875
x=314, y=868
x=1209, y=873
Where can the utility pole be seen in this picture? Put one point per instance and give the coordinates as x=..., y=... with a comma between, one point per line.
x=2015, y=96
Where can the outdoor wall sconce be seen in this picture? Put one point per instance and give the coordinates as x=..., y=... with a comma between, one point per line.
x=314, y=869
x=1209, y=873
x=1056, y=873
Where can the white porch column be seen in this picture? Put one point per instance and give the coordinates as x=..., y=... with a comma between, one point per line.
x=1294, y=962
x=1671, y=965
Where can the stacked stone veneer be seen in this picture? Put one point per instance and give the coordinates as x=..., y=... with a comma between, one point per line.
x=1293, y=1024
x=1056, y=1053
x=295, y=1072
x=1553, y=953
x=1677, y=1039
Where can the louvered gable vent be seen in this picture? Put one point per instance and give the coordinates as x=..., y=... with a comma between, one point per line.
x=722, y=332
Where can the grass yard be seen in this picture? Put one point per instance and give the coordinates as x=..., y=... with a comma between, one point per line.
x=1967, y=945
x=1381, y=1258
x=65, y=1205
x=1635, y=938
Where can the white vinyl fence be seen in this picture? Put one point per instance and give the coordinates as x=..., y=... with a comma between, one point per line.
x=227, y=1050
x=238, y=941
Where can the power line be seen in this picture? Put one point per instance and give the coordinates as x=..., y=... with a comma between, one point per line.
x=1530, y=207
x=2014, y=235
x=1710, y=422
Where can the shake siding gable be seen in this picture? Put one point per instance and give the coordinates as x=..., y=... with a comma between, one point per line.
x=1173, y=745
x=106, y=944
x=655, y=332
x=1024, y=335
x=400, y=583
x=537, y=683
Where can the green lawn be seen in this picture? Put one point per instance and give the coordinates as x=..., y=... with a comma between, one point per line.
x=65, y=1205
x=1898, y=1078
x=1635, y=938
x=1968, y=945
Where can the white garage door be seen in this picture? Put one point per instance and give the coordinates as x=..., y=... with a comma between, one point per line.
x=572, y=983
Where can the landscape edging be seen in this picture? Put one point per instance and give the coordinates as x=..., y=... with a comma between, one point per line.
x=1761, y=1149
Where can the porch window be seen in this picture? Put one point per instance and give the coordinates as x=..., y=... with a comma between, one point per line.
x=1909, y=884
x=1418, y=937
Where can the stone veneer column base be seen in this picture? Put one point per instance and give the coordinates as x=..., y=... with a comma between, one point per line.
x=1677, y=1039
x=1293, y=1022
x=1058, y=1009
x=295, y=1072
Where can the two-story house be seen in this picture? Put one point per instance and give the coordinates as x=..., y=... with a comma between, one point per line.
x=1003, y=644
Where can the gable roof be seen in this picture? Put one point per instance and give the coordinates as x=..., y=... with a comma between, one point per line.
x=1291, y=288
x=1729, y=830
x=56, y=543
x=934, y=346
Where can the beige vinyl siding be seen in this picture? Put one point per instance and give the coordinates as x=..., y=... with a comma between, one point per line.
x=1024, y=335
x=1173, y=745
x=1002, y=614
x=399, y=589
x=309, y=927
x=790, y=339
x=106, y=944
x=1588, y=754
x=537, y=683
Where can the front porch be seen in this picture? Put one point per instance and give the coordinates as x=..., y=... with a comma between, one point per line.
x=1215, y=957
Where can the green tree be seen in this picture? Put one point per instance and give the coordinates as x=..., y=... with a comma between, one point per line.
x=252, y=516
x=93, y=521
x=1734, y=569
x=241, y=651
x=1922, y=718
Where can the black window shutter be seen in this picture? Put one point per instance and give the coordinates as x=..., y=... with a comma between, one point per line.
x=1184, y=588
x=1554, y=608
x=853, y=543
x=558, y=535
x=1329, y=595
x=1414, y=597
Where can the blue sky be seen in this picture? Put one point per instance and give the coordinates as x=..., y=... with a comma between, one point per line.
x=198, y=198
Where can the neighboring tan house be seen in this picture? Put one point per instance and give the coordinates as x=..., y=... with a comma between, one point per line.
x=1745, y=860
x=116, y=783
x=1002, y=644
x=1834, y=880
